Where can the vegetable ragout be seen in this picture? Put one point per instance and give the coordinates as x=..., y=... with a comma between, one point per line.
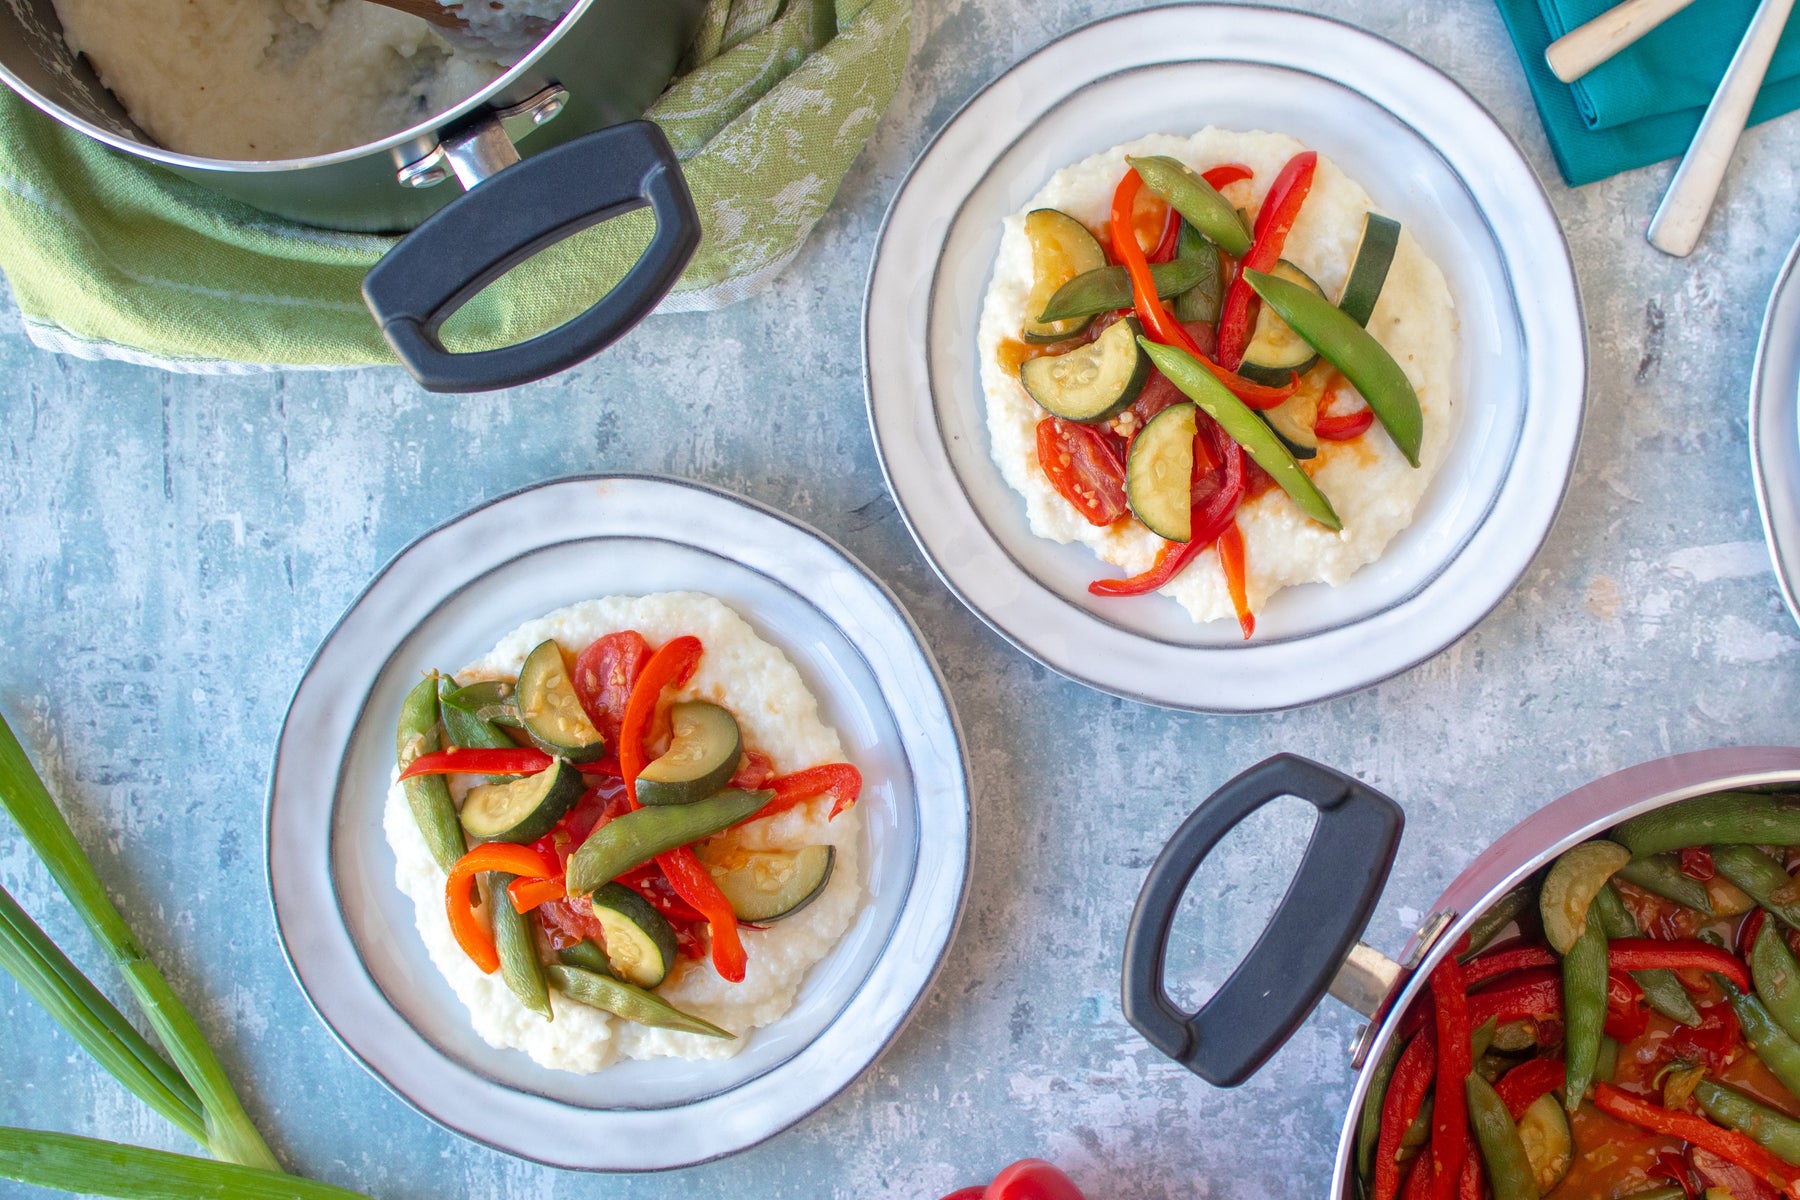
x=1635, y=1032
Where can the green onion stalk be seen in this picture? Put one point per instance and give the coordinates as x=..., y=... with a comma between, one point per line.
x=193, y=1093
x=78, y=1164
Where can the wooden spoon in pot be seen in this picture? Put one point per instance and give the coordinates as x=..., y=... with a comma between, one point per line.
x=444, y=16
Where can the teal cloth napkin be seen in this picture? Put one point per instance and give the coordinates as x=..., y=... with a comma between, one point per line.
x=1644, y=104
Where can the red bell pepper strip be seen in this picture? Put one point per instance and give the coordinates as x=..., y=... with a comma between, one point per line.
x=671, y=665
x=1747, y=931
x=1728, y=1144
x=1229, y=173
x=1171, y=236
x=1697, y=863
x=1419, y=1183
x=841, y=781
x=1470, y=1187
x=468, y=930
x=1627, y=1015
x=1209, y=520
x=1671, y=1165
x=1534, y=993
x=458, y=760
x=1274, y=219
x=694, y=884
x=1499, y=962
x=1649, y=954
x=1344, y=428
x=1526, y=1083
x=1157, y=322
x=1231, y=559
x=527, y=894
x=1400, y=1108
x=1450, y=1114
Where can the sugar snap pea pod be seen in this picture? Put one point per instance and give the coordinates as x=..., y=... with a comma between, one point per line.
x=1723, y=818
x=1662, y=1193
x=1584, y=1009
x=586, y=955
x=1660, y=875
x=1196, y=200
x=1498, y=916
x=464, y=724
x=1483, y=1038
x=1774, y=1131
x=627, y=1000
x=1777, y=979
x=1243, y=427
x=517, y=947
x=1201, y=302
x=1503, y=1156
x=1106, y=289
x=1761, y=877
x=1661, y=989
x=490, y=699
x=637, y=837
x=1350, y=348
x=1779, y=1052
x=427, y=795
x=1368, y=1128
x=1606, y=1063
x=1419, y=1132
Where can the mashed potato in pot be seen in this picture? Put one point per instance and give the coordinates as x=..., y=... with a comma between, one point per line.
x=1367, y=480
x=274, y=79
x=778, y=716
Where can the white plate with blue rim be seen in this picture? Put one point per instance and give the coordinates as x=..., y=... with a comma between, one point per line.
x=1427, y=153
x=446, y=599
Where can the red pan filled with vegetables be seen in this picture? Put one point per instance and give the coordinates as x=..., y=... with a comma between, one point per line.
x=1605, y=1003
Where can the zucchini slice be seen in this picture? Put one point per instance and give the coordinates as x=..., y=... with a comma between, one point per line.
x=550, y=712
x=771, y=884
x=522, y=810
x=1369, y=266
x=1293, y=420
x=1548, y=1145
x=1093, y=382
x=700, y=760
x=1160, y=474
x=1061, y=249
x=1275, y=349
x=1109, y=288
x=640, y=943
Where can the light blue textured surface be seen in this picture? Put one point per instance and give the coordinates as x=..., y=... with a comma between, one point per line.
x=173, y=548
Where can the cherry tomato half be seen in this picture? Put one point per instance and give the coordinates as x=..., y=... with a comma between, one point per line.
x=1082, y=466
x=604, y=673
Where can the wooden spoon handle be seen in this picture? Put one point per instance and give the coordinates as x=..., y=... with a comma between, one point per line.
x=1675, y=229
x=1582, y=49
x=443, y=16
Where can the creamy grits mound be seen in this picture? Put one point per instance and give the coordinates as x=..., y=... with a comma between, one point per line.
x=271, y=79
x=778, y=716
x=1369, y=483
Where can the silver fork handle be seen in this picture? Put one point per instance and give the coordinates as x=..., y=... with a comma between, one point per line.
x=1675, y=229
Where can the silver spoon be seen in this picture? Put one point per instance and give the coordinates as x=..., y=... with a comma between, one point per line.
x=450, y=20
x=1675, y=229
x=1582, y=49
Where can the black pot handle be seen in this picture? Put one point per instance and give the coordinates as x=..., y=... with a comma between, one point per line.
x=506, y=219
x=1291, y=965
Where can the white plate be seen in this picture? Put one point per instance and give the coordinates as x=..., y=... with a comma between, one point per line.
x=1427, y=153
x=1775, y=429
x=448, y=598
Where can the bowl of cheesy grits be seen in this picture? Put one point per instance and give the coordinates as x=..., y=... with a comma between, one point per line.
x=1498, y=363
x=784, y=616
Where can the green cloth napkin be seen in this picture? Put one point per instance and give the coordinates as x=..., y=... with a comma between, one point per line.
x=111, y=257
x=1644, y=104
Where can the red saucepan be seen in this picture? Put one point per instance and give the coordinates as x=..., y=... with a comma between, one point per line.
x=1310, y=945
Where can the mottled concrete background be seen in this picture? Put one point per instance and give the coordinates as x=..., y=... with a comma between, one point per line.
x=172, y=549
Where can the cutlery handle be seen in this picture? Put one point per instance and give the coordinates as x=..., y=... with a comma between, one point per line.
x=1585, y=47
x=1675, y=229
